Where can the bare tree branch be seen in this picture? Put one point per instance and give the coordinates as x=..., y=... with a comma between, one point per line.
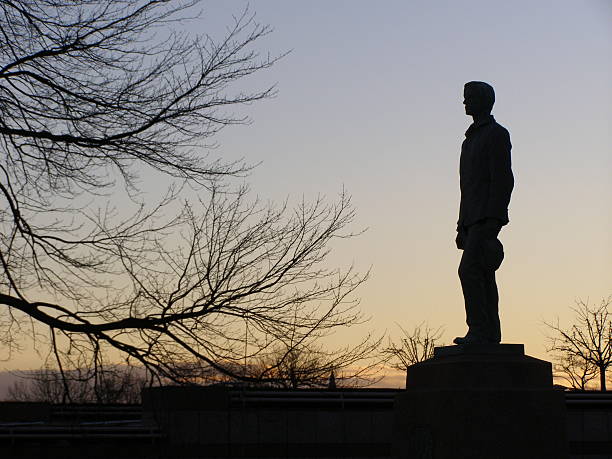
x=414, y=347
x=94, y=93
x=309, y=365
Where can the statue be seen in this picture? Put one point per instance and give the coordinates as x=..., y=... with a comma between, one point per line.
x=486, y=182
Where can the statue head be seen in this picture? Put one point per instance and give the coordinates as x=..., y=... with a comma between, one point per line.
x=478, y=98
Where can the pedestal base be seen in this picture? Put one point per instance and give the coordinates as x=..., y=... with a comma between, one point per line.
x=480, y=402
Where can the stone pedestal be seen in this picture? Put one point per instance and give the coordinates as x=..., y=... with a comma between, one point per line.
x=480, y=402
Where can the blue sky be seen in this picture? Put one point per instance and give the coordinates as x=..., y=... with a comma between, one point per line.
x=370, y=99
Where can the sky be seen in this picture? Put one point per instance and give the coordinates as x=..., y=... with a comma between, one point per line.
x=370, y=100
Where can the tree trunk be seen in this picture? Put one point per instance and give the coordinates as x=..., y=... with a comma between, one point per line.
x=602, y=378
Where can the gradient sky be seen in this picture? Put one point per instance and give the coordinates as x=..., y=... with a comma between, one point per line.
x=370, y=99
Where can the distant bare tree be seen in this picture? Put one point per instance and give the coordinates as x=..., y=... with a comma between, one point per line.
x=586, y=346
x=48, y=385
x=311, y=366
x=574, y=371
x=121, y=384
x=414, y=347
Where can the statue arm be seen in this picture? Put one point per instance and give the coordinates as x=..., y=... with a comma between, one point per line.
x=501, y=177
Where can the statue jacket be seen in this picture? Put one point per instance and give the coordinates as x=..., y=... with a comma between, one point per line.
x=485, y=173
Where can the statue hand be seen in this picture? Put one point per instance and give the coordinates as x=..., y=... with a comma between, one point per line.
x=460, y=240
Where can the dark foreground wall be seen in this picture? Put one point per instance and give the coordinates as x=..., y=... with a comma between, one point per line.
x=218, y=423
x=589, y=424
x=185, y=423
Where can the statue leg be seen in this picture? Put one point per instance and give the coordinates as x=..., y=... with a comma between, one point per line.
x=482, y=255
x=473, y=277
x=492, y=301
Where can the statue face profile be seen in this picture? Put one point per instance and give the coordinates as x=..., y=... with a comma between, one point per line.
x=478, y=98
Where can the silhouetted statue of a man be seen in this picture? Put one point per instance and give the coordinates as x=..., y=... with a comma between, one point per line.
x=486, y=182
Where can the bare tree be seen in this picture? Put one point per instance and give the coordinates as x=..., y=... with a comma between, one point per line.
x=94, y=93
x=48, y=385
x=576, y=372
x=311, y=366
x=414, y=347
x=586, y=346
x=120, y=384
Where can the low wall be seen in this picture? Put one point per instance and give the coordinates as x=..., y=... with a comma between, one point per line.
x=219, y=422
x=200, y=422
x=215, y=422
